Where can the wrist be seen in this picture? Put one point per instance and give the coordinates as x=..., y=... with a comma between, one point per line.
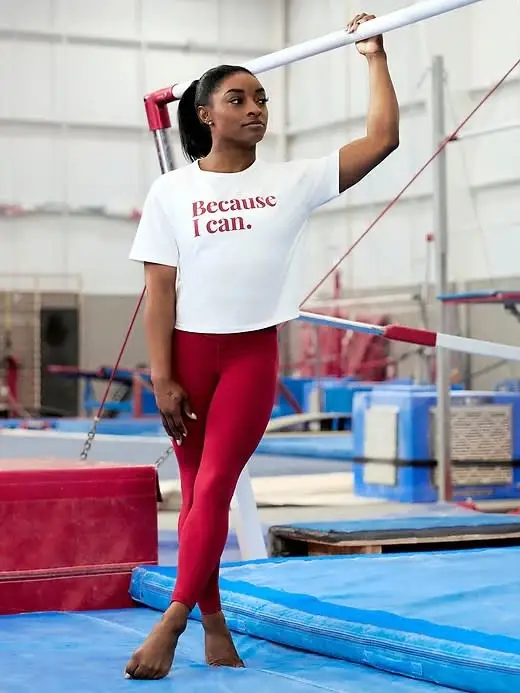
x=160, y=379
x=376, y=57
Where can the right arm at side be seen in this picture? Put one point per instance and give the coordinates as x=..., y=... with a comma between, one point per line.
x=159, y=320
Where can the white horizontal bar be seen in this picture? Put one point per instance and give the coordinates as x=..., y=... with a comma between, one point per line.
x=464, y=344
x=478, y=347
x=381, y=25
x=341, y=323
x=487, y=131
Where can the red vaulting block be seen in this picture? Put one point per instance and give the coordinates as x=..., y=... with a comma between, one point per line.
x=71, y=533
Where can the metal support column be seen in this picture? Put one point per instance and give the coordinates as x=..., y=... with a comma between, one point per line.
x=440, y=229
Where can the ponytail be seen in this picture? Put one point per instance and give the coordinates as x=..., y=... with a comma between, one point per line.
x=195, y=136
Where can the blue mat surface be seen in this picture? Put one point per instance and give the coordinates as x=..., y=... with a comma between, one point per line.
x=402, y=522
x=449, y=618
x=86, y=653
x=327, y=447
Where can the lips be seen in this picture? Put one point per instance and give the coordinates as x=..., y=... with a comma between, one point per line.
x=253, y=123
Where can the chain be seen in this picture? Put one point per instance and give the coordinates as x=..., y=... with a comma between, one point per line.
x=162, y=458
x=92, y=434
x=90, y=439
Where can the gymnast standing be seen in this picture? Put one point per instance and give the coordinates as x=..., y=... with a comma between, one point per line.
x=219, y=239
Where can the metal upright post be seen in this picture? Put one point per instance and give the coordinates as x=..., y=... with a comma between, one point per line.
x=440, y=227
x=163, y=149
x=159, y=123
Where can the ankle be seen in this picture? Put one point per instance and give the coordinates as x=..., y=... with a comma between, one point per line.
x=214, y=622
x=176, y=617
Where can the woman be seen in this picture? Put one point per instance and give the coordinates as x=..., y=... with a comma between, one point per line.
x=217, y=239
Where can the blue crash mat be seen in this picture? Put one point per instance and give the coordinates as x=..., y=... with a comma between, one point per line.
x=449, y=618
x=87, y=652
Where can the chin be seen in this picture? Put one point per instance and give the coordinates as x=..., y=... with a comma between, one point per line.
x=256, y=140
x=252, y=138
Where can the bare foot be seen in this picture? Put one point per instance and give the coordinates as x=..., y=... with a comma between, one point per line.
x=154, y=658
x=220, y=649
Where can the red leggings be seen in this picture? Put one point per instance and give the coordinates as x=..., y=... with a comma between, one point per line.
x=230, y=380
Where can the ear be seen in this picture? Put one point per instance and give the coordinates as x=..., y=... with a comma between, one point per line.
x=204, y=116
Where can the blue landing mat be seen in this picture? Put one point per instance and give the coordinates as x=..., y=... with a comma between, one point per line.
x=326, y=447
x=86, y=653
x=448, y=618
x=431, y=520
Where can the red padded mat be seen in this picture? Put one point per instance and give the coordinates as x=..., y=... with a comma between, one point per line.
x=72, y=532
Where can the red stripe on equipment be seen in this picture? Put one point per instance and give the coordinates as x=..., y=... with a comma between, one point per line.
x=399, y=333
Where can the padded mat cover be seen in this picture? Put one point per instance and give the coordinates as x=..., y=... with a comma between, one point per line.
x=448, y=618
x=436, y=523
x=87, y=652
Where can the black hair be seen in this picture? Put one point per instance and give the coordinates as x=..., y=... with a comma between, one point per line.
x=194, y=134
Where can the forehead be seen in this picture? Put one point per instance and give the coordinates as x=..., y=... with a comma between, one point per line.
x=240, y=81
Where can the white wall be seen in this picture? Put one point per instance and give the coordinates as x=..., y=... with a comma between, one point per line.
x=75, y=147
x=328, y=102
x=74, y=143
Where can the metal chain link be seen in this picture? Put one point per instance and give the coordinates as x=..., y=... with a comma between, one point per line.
x=90, y=439
x=162, y=458
x=92, y=434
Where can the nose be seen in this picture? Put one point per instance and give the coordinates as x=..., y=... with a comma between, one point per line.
x=254, y=109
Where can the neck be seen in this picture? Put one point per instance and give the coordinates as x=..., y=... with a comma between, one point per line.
x=228, y=160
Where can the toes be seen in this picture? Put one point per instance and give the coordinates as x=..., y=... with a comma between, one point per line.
x=136, y=669
x=143, y=672
x=131, y=667
x=233, y=662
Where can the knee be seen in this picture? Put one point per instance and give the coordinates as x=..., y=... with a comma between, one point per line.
x=216, y=490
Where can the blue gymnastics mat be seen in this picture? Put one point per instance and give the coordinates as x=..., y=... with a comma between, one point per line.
x=447, y=618
x=429, y=520
x=333, y=446
x=87, y=653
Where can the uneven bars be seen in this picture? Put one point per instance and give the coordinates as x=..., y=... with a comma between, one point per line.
x=381, y=25
x=412, y=335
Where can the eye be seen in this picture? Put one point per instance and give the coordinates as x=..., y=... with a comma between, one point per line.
x=235, y=100
x=264, y=100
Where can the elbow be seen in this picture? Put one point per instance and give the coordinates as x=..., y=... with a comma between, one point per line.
x=383, y=144
x=390, y=144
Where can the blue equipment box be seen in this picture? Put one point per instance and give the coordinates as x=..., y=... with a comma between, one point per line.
x=394, y=439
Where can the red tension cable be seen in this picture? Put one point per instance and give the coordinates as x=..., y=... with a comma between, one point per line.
x=412, y=180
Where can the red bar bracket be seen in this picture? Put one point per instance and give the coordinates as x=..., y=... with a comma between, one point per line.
x=156, y=107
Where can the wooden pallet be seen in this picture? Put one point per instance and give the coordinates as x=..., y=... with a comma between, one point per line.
x=285, y=540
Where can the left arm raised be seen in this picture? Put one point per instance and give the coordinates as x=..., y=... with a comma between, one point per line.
x=360, y=156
